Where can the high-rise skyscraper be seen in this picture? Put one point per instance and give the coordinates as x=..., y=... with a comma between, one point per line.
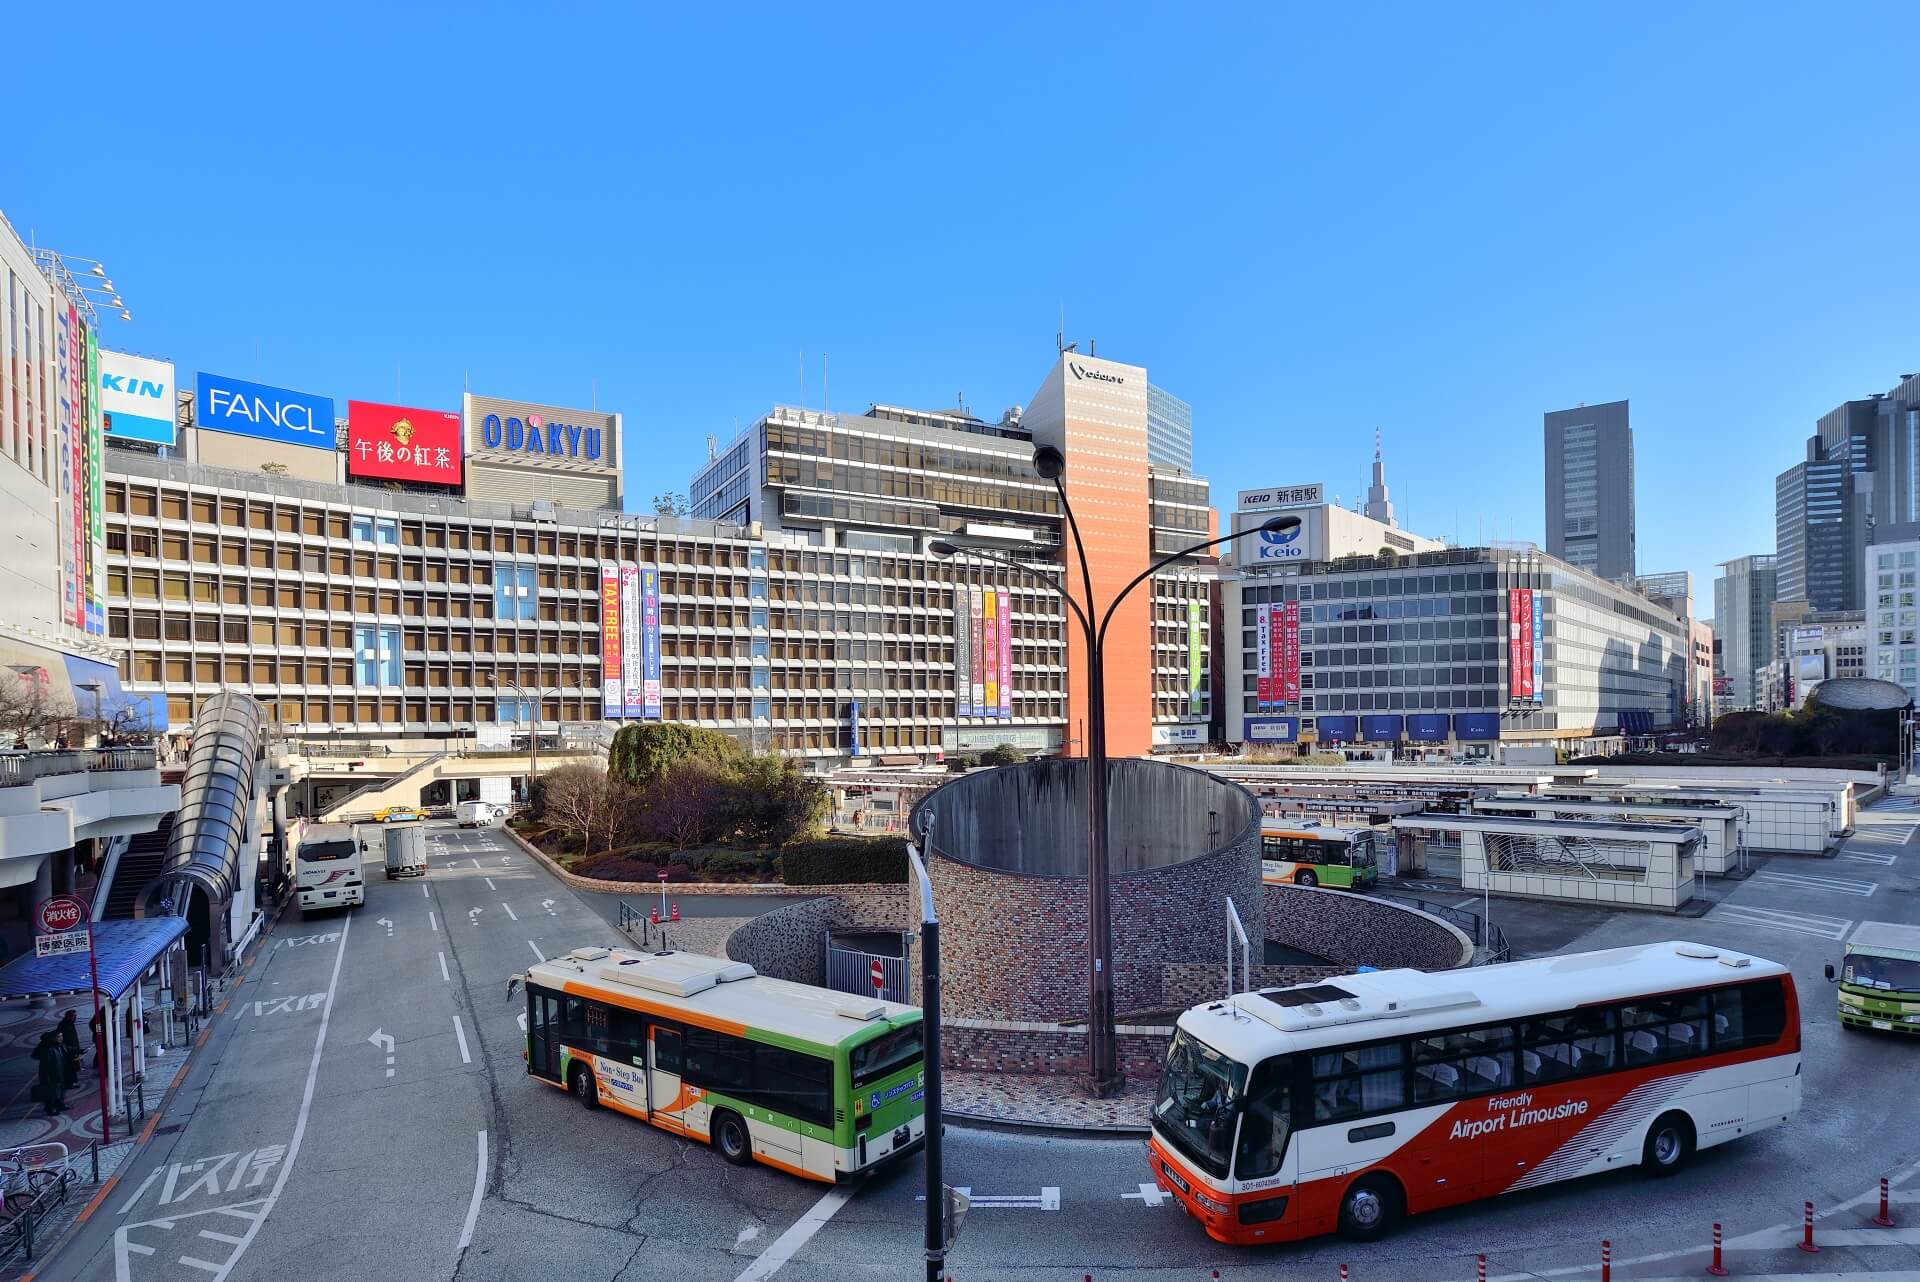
x=1589, y=456
x=1169, y=430
x=1379, y=506
x=1743, y=599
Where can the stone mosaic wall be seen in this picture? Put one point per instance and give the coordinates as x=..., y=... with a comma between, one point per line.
x=1362, y=930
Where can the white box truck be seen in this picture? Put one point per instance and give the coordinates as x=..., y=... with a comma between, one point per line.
x=406, y=850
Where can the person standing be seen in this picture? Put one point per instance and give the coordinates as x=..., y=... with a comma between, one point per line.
x=50, y=1087
x=70, y=1042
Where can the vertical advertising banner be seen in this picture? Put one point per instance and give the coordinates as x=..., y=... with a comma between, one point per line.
x=962, y=652
x=1006, y=655
x=1263, y=655
x=992, y=634
x=1277, y=643
x=63, y=464
x=853, y=728
x=77, y=474
x=650, y=642
x=1515, y=682
x=633, y=670
x=1194, y=705
x=975, y=655
x=1290, y=653
x=1538, y=635
x=1521, y=655
x=96, y=494
x=613, y=701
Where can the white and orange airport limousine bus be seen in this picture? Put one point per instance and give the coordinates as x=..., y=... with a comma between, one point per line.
x=1349, y=1103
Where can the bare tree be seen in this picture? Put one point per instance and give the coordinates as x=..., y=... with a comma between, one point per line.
x=684, y=805
x=582, y=800
x=32, y=711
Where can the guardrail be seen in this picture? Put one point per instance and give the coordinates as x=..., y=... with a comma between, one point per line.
x=1490, y=939
x=23, y=767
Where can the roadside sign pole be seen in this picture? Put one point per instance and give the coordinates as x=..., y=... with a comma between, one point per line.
x=100, y=1045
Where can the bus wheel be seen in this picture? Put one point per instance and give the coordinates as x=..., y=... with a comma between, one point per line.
x=1669, y=1144
x=1369, y=1208
x=585, y=1089
x=730, y=1137
x=1306, y=877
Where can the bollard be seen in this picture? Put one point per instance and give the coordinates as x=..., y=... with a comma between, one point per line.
x=93, y=1150
x=1479, y=1268
x=1343, y=1273
x=1806, y=1241
x=128, y=1101
x=26, y=1227
x=1883, y=1219
x=1716, y=1269
x=140, y=1088
x=1606, y=1260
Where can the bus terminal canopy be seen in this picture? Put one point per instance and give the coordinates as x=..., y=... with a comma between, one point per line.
x=126, y=948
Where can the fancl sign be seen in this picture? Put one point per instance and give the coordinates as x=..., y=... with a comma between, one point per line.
x=241, y=408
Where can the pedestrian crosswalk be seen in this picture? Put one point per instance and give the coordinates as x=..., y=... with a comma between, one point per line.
x=1802, y=883
x=1817, y=924
x=1885, y=834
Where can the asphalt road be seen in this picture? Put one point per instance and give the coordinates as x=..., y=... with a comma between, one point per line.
x=291, y=1153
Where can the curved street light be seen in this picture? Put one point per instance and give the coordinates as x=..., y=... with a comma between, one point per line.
x=533, y=740
x=1104, y=1077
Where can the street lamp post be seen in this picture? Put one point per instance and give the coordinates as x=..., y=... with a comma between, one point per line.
x=533, y=740
x=1104, y=1076
x=936, y=1234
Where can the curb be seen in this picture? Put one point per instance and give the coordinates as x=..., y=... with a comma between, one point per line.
x=52, y=1249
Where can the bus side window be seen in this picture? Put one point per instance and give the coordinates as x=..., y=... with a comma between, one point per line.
x=573, y=1021
x=1748, y=1015
x=717, y=1060
x=666, y=1049
x=1332, y=854
x=1264, y=1125
x=626, y=1035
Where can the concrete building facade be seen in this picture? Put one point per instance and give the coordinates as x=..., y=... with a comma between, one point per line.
x=1743, y=598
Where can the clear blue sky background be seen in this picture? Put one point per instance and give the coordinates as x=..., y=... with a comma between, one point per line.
x=1309, y=222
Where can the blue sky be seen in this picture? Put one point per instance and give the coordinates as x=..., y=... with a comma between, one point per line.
x=1309, y=222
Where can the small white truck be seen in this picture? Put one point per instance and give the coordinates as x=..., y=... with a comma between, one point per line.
x=406, y=850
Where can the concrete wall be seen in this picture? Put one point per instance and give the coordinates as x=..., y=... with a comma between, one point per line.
x=1360, y=930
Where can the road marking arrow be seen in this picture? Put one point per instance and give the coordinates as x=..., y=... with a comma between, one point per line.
x=387, y=922
x=473, y=916
x=385, y=1042
x=548, y=905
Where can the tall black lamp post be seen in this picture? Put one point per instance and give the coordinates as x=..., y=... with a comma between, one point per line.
x=1104, y=1077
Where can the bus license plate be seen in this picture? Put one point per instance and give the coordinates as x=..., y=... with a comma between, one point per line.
x=1885, y=1026
x=902, y=1136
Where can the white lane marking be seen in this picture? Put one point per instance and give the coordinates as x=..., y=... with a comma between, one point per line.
x=433, y=920
x=1834, y=928
x=144, y=1186
x=423, y=891
x=1835, y=885
x=222, y=1271
x=536, y=950
x=460, y=1033
x=1047, y=1199
x=508, y=909
x=490, y=885
x=218, y=1270
x=782, y=1248
x=479, y=1191
x=1150, y=1194
x=1885, y=859
x=228, y=1238
x=444, y=977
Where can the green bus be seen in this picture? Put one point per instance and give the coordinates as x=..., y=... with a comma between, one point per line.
x=817, y=1083
x=1312, y=855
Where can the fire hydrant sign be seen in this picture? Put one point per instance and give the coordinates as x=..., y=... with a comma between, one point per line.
x=72, y=941
x=62, y=912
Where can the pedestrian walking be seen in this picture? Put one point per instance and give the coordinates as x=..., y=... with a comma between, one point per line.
x=70, y=1043
x=50, y=1087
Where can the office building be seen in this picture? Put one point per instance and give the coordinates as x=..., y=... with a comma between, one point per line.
x=1589, y=481
x=1378, y=506
x=1891, y=572
x=1458, y=645
x=1699, y=710
x=1670, y=589
x=1743, y=598
x=1815, y=525
x=898, y=479
x=1822, y=647
x=1169, y=430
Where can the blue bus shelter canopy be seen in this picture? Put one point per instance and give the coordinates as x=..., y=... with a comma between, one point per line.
x=126, y=949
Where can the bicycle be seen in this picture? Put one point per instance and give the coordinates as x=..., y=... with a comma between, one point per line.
x=26, y=1184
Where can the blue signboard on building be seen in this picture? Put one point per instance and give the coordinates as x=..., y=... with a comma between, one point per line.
x=1476, y=725
x=232, y=405
x=1382, y=727
x=1337, y=729
x=1427, y=727
x=853, y=727
x=1273, y=730
x=1539, y=648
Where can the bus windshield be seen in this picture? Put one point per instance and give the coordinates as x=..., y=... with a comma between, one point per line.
x=885, y=1054
x=1200, y=1094
x=1894, y=974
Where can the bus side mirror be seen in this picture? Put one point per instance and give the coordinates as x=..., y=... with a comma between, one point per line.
x=1829, y=972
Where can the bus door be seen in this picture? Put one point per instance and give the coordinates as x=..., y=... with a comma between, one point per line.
x=666, y=1096
x=1266, y=1160
x=543, y=1034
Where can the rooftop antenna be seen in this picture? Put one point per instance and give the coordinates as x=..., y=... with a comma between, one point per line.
x=1090, y=347
x=713, y=448
x=1060, y=335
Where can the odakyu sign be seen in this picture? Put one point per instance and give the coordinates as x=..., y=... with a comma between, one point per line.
x=522, y=434
x=235, y=406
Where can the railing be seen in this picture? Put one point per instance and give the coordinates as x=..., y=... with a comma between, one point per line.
x=1490, y=939
x=23, y=767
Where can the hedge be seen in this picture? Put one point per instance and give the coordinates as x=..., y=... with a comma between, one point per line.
x=831, y=861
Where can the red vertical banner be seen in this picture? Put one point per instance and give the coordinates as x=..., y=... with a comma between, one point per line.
x=1520, y=643
x=1277, y=645
x=1291, y=652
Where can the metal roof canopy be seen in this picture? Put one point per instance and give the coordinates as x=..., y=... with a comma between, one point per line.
x=1480, y=821
x=126, y=949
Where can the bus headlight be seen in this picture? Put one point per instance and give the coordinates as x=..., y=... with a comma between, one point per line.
x=1851, y=999
x=1217, y=1207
